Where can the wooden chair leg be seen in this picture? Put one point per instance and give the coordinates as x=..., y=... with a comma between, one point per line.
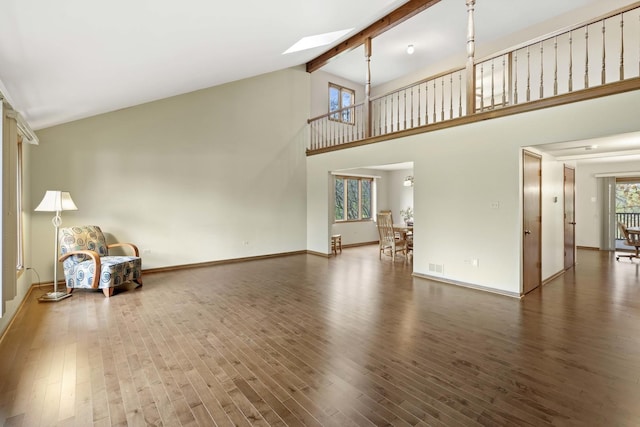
x=70, y=290
x=107, y=292
x=336, y=243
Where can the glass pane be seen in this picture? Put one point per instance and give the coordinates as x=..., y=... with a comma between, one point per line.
x=628, y=198
x=353, y=209
x=339, y=209
x=346, y=116
x=347, y=99
x=366, y=199
x=334, y=101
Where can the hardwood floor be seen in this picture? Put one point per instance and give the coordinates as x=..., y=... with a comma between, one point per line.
x=345, y=341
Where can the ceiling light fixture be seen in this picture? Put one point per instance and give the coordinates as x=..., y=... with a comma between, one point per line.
x=318, y=40
x=411, y=49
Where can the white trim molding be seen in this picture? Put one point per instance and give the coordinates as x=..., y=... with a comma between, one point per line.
x=617, y=174
x=23, y=127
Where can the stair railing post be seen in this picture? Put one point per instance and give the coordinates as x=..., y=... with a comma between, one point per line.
x=471, y=51
x=367, y=89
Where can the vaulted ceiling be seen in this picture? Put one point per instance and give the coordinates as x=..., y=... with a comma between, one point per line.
x=68, y=59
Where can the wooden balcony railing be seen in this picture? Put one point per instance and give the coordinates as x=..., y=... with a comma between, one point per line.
x=431, y=100
x=338, y=127
x=628, y=219
x=600, y=52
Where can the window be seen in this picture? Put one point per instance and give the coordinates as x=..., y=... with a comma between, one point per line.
x=339, y=98
x=628, y=196
x=353, y=198
x=627, y=203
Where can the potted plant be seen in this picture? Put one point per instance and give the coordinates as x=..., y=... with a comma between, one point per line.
x=407, y=215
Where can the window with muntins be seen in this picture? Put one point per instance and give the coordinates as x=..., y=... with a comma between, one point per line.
x=353, y=196
x=340, y=99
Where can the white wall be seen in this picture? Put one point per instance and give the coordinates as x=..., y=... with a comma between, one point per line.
x=400, y=197
x=588, y=202
x=211, y=175
x=552, y=216
x=460, y=173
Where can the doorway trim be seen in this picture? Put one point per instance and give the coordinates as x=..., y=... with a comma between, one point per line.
x=531, y=221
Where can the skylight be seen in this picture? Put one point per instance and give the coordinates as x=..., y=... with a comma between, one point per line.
x=318, y=40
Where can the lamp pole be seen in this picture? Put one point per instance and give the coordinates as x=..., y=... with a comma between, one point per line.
x=55, y=295
x=57, y=220
x=56, y=201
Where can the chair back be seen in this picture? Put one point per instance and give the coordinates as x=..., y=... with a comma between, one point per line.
x=630, y=239
x=385, y=228
x=86, y=237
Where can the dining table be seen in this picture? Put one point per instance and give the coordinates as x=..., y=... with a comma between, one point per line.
x=403, y=230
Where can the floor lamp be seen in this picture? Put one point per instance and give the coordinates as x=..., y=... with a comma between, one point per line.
x=56, y=201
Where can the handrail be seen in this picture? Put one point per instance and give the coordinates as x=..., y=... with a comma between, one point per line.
x=331, y=113
x=559, y=32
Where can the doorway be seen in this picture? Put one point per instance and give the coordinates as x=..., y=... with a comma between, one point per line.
x=569, y=217
x=531, y=221
x=627, y=208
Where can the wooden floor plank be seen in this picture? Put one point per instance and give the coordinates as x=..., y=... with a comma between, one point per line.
x=347, y=341
x=68, y=383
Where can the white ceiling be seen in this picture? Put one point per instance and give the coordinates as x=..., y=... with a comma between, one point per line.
x=621, y=147
x=68, y=59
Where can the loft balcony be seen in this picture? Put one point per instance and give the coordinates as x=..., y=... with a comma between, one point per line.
x=592, y=59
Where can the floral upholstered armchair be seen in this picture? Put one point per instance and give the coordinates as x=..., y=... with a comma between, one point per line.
x=87, y=263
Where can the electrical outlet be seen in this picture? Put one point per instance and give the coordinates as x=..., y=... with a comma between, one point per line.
x=436, y=268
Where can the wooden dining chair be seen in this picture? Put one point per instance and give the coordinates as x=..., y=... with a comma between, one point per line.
x=396, y=233
x=388, y=240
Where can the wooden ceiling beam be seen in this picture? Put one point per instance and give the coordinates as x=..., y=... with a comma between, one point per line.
x=401, y=14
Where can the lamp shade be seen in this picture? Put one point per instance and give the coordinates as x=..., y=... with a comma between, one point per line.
x=56, y=201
